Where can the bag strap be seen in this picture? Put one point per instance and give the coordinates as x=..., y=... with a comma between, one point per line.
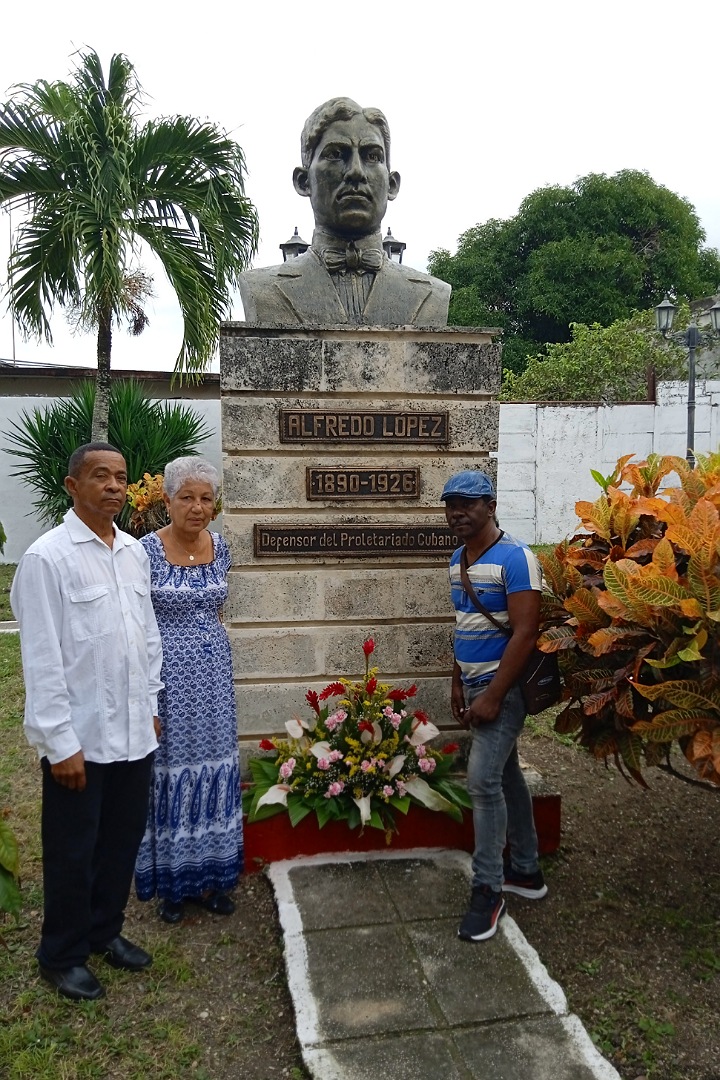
x=468, y=586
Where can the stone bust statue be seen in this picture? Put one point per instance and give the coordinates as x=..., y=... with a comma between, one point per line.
x=345, y=276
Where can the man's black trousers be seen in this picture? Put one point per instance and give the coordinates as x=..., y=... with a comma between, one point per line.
x=90, y=841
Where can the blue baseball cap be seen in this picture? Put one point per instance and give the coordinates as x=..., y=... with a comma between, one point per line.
x=469, y=483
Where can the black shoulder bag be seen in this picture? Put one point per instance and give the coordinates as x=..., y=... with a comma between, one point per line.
x=539, y=682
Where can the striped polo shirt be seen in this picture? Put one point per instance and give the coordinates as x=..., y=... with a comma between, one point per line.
x=507, y=567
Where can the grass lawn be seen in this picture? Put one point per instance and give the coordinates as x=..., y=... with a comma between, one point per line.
x=7, y=571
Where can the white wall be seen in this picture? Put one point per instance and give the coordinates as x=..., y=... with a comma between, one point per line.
x=546, y=452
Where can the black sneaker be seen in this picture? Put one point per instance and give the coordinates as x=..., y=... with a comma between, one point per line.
x=531, y=886
x=482, y=917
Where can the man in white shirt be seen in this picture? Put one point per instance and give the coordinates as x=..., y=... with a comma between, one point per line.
x=91, y=662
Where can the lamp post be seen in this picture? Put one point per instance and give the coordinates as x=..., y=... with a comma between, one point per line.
x=691, y=338
x=294, y=246
x=393, y=248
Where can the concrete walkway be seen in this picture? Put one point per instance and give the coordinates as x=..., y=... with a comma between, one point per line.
x=382, y=986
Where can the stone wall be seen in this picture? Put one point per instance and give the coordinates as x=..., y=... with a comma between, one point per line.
x=298, y=621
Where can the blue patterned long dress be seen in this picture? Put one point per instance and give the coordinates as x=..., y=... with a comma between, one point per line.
x=193, y=841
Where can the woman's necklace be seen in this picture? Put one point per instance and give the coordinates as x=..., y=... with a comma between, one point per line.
x=189, y=554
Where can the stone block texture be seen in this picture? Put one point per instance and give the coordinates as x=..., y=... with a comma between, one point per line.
x=298, y=621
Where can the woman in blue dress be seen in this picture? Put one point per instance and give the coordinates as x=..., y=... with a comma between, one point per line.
x=192, y=850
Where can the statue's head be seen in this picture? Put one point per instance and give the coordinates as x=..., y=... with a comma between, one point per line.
x=345, y=171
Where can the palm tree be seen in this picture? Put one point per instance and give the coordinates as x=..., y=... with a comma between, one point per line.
x=94, y=186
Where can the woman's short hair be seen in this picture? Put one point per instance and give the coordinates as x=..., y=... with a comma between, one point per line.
x=182, y=469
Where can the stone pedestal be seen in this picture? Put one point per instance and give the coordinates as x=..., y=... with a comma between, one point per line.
x=337, y=443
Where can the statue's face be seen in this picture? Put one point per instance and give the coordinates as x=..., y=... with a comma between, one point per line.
x=348, y=182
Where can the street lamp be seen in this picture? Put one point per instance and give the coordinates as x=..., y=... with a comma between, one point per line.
x=294, y=246
x=691, y=338
x=393, y=248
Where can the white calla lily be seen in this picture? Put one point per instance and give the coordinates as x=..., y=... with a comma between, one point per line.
x=278, y=793
x=366, y=737
x=426, y=795
x=363, y=806
x=396, y=765
x=294, y=728
x=423, y=732
x=377, y=732
x=320, y=749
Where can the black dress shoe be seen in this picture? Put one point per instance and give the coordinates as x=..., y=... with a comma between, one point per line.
x=121, y=953
x=170, y=911
x=217, y=903
x=76, y=983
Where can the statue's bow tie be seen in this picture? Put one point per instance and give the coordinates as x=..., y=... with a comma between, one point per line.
x=338, y=260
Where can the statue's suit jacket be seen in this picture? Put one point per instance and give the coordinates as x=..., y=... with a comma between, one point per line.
x=301, y=293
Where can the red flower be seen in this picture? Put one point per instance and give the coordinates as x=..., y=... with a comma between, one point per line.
x=265, y=744
x=371, y=686
x=368, y=646
x=365, y=725
x=313, y=701
x=397, y=695
x=421, y=716
x=451, y=748
x=411, y=690
x=331, y=690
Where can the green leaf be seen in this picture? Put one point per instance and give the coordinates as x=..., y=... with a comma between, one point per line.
x=264, y=812
x=9, y=855
x=673, y=724
x=323, y=812
x=401, y=803
x=298, y=808
x=376, y=822
x=684, y=693
x=10, y=898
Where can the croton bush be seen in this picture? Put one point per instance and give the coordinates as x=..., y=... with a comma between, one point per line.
x=633, y=609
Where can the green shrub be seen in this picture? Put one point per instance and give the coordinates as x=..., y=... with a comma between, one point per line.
x=149, y=434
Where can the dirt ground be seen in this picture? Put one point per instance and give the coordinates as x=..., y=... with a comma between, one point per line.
x=631, y=925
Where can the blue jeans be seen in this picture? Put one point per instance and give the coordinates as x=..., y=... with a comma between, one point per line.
x=502, y=806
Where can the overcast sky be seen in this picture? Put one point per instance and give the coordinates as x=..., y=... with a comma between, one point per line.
x=486, y=101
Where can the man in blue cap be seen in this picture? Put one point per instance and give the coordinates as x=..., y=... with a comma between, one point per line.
x=495, y=572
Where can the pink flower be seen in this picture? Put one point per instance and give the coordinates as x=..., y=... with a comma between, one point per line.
x=335, y=789
x=335, y=719
x=420, y=751
x=388, y=711
x=365, y=765
x=388, y=790
x=323, y=764
x=286, y=768
x=427, y=764
x=399, y=784
x=335, y=755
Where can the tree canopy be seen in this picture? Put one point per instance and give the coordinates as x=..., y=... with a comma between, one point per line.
x=593, y=252
x=92, y=186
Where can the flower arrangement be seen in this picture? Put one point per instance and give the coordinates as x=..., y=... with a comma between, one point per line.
x=361, y=759
x=146, y=499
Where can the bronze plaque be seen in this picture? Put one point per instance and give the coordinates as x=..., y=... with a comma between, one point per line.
x=337, y=485
x=354, y=541
x=300, y=425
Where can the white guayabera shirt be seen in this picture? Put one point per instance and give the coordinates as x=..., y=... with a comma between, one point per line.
x=90, y=645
